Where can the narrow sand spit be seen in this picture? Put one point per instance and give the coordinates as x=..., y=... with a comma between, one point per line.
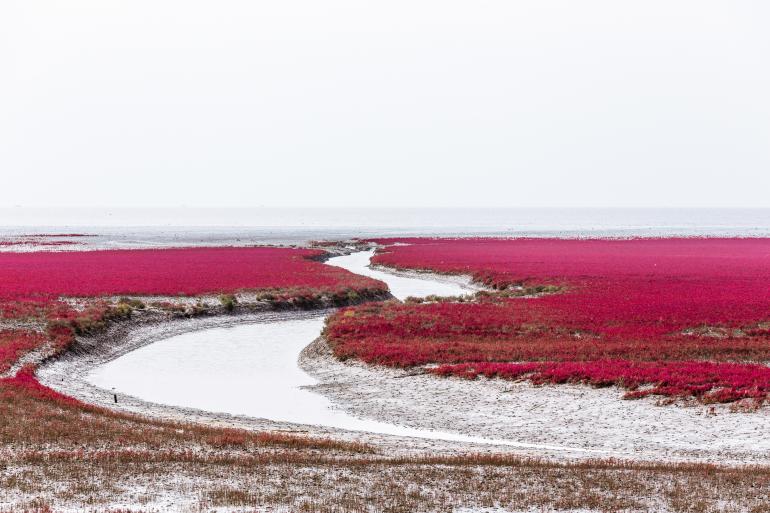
x=557, y=421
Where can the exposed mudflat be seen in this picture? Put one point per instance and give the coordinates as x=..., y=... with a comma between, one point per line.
x=565, y=416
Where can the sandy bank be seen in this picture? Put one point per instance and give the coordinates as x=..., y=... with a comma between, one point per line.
x=595, y=420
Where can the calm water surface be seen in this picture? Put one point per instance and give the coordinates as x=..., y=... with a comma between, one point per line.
x=252, y=369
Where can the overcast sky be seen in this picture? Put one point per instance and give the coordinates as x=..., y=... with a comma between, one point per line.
x=390, y=103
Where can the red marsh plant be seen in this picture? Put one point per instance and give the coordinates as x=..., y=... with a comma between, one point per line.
x=674, y=317
x=33, y=286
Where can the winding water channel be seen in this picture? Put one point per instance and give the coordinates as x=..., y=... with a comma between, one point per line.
x=252, y=369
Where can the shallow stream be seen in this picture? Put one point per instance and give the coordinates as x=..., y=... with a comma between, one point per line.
x=252, y=369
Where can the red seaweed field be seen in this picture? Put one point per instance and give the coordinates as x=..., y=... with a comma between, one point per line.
x=672, y=317
x=34, y=286
x=168, y=272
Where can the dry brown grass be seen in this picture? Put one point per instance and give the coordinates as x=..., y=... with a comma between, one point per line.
x=379, y=486
x=60, y=453
x=34, y=416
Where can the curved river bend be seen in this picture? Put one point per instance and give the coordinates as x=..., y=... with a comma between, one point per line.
x=252, y=369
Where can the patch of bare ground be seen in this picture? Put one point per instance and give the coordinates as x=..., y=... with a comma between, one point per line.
x=582, y=421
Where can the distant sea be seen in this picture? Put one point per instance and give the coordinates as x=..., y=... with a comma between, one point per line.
x=116, y=227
